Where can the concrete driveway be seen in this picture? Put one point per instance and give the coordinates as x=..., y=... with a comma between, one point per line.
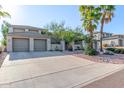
x=51, y=69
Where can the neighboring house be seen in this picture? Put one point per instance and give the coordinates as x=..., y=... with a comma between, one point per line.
x=109, y=39
x=26, y=38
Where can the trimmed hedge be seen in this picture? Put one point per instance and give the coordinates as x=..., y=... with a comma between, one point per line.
x=122, y=51
x=116, y=50
x=111, y=49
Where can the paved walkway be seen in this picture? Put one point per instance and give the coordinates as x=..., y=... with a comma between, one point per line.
x=58, y=70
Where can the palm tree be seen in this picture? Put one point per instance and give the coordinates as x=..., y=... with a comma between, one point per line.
x=107, y=12
x=3, y=13
x=90, y=17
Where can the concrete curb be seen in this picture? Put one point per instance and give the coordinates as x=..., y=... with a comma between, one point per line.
x=81, y=85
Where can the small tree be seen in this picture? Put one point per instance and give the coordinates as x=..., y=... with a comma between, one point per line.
x=60, y=32
x=72, y=35
x=5, y=30
x=57, y=29
x=4, y=26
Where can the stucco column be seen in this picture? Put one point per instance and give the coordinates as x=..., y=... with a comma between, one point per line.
x=31, y=44
x=73, y=48
x=39, y=31
x=26, y=30
x=63, y=45
x=10, y=29
x=48, y=44
x=9, y=44
x=83, y=43
x=123, y=42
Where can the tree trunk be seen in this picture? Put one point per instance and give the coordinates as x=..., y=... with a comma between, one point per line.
x=101, y=35
x=91, y=40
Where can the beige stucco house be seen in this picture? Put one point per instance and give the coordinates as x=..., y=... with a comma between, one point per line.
x=22, y=38
x=109, y=39
x=26, y=38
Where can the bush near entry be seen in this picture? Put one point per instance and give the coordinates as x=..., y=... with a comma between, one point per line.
x=111, y=49
x=122, y=51
x=116, y=50
x=90, y=51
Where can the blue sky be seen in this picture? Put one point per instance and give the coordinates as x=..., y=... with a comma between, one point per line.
x=39, y=16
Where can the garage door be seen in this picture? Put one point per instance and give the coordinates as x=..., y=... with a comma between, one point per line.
x=40, y=45
x=20, y=45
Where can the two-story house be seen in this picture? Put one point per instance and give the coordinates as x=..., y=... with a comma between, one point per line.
x=26, y=38
x=109, y=39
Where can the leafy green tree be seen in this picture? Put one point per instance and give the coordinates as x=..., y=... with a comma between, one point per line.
x=54, y=26
x=60, y=32
x=5, y=30
x=78, y=34
x=4, y=25
x=4, y=42
x=57, y=30
x=107, y=12
x=73, y=34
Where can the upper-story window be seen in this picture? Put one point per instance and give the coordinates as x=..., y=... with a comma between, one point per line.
x=18, y=30
x=24, y=30
x=113, y=43
x=110, y=34
x=33, y=31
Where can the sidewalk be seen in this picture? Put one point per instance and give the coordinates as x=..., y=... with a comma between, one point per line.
x=115, y=80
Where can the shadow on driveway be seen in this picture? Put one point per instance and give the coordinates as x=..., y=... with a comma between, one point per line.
x=28, y=55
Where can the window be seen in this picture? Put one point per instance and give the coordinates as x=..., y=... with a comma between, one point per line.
x=18, y=30
x=112, y=43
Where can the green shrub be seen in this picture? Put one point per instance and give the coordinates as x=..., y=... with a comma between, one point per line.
x=90, y=51
x=122, y=51
x=117, y=51
x=111, y=49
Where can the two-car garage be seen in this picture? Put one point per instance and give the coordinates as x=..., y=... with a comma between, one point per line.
x=23, y=44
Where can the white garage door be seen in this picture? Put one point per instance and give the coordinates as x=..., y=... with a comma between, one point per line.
x=40, y=45
x=20, y=45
